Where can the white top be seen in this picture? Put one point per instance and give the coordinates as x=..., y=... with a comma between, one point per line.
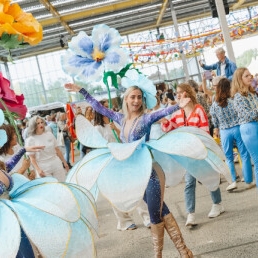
x=46, y=139
x=222, y=69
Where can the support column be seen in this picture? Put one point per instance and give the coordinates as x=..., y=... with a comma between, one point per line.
x=173, y=14
x=41, y=79
x=224, y=28
x=195, y=58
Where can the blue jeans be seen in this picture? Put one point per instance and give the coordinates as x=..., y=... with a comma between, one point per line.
x=190, y=185
x=152, y=197
x=249, y=133
x=67, y=144
x=228, y=136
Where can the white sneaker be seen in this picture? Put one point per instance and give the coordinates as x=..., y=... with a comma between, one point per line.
x=190, y=220
x=250, y=186
x=216, y=210
x=232, y=186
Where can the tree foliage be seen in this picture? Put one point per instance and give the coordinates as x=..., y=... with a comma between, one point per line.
x=245, y=59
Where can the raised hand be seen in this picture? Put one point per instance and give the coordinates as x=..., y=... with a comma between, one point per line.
x=71, y=87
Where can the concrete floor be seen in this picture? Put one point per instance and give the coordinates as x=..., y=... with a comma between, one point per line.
x=232, y=234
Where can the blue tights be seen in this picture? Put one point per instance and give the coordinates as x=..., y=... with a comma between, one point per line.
x=152, y=197
x=25, y=249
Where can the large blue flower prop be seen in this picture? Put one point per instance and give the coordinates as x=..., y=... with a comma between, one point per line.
x=58, y=218
x=134, y=78
x=89, y=57
x=3, y=136
x=121, y=171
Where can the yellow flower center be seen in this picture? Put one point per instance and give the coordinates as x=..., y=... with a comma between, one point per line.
x=98, y=55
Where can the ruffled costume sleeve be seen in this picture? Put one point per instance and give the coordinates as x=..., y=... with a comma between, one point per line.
x=11, y=163
x=116, y=116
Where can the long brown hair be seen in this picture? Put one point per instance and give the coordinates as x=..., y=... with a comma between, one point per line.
x=89, y=116
x=99, y=118
x=189, y=90
x=238, y=85
x=2, y=165
x=222, y=92
x=10, y=132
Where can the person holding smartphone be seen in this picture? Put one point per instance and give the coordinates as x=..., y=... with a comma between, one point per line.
x=224, y=67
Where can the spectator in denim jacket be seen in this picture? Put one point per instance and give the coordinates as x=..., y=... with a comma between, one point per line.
x=224, y=67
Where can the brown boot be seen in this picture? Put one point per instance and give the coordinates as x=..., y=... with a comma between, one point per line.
x=176, y=236
x=157, y=232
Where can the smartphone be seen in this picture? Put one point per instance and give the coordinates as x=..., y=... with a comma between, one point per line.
x=208, y=75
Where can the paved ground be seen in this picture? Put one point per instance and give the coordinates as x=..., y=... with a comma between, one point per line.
x=233, y=234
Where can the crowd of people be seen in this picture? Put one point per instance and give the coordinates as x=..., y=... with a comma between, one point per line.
x=227, y=111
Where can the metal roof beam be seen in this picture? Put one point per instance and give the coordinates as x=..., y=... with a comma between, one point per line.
x=162, y=11
x=96, y=11
x=54, y=12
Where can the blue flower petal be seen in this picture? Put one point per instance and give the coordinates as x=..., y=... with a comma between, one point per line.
x=105, y=37
x=3, y=138
x=116, y=59
x=82, y=45
x=1, y=117
x=84, y=69
x=9, y=223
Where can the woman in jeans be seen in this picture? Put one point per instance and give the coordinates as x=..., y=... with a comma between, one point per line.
x=225, y=119
x=192, y=114
x=246, y=105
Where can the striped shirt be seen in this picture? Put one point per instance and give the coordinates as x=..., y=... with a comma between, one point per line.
x=197, y=118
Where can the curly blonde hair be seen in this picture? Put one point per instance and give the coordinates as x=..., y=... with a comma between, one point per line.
x=238, y=85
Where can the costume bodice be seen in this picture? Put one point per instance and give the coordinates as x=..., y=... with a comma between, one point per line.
x=3, y=188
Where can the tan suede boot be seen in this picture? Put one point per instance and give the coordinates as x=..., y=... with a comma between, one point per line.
x=157, y=232
x=176, y=236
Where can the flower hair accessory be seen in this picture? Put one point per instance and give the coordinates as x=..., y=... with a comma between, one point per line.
x=3, y=136
x=134, y=78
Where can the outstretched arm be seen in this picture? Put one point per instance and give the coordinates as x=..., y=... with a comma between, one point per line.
x=204, y=86
x=155, y=116
x=11, y=163
x=71, y=87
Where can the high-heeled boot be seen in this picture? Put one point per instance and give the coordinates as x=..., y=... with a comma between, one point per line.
x=157, y=232
x=176, y=236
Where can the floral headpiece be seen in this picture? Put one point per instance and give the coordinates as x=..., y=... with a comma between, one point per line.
x=3, y=136
x=133, y=78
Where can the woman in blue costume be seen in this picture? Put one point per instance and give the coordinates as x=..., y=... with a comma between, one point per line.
x=42, y=215
x=135, y=124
